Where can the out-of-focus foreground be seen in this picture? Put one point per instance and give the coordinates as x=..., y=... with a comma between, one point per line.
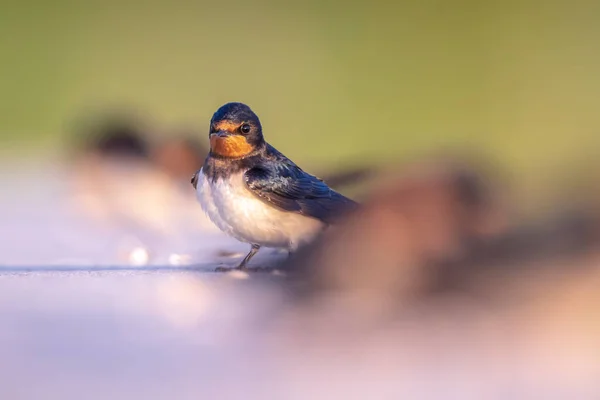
x=467, y=130
x=437, y=287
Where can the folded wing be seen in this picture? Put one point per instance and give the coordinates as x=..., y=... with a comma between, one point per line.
x=289, y=188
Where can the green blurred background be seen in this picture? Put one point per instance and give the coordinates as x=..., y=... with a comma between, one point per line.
x=331, y=80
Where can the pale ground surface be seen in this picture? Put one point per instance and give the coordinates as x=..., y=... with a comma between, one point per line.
x=101, y=308
x=83, y=318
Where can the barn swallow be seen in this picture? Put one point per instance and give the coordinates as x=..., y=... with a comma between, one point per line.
x=257, y=195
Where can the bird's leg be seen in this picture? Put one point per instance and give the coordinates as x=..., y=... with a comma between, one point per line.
x=253, y=251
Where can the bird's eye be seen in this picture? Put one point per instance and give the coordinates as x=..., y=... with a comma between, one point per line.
x=213, y=129
x=245, y=128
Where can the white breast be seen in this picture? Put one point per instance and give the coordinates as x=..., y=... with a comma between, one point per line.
x=241, y=214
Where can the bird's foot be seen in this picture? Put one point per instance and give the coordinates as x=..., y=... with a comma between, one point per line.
x=225, y=269
x=244, y=269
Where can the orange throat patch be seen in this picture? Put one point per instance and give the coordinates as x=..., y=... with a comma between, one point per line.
x=230, y=146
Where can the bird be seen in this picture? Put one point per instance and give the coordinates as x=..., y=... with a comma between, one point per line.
x=255, y=194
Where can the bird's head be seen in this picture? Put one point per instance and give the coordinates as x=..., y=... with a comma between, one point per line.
x=235, y=131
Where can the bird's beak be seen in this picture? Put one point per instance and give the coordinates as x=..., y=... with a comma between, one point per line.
x=221, y=134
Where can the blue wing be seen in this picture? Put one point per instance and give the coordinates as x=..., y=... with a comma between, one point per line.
x=284, y=185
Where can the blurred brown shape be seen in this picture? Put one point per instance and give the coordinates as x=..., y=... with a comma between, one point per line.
x=438, y=227
x=121, y=179
x=110, y=135
x=119, y=140
x=433, y=276
x=180, y=157
x=428, y=213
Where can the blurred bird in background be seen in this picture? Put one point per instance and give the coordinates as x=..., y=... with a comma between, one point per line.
x=125, y=180
x=437, y=276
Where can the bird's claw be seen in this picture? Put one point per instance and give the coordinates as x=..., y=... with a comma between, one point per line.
x=244, y=269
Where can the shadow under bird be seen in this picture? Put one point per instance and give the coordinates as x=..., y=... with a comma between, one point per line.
x=257, y=195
